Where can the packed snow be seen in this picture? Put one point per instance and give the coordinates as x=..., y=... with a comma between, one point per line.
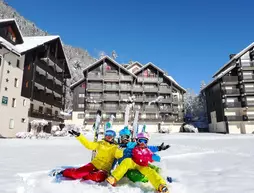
x=198, y=163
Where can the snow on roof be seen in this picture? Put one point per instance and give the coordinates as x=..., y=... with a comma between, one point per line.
x=107, y=57
x=9, y=46
x=219, y=76
x=234, y=58
x=130, y=65
x=173, y=80
x=6, y=20
x=34, y=41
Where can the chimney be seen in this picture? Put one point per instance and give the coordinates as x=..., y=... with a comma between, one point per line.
x=231, y=56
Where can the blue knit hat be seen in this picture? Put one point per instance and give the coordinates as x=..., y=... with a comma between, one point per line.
x=125, y=131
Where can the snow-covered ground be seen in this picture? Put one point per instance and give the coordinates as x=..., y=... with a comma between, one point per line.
x=199, y=163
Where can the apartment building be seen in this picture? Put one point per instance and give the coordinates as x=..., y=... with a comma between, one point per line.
x=230, y=96
x=108, y=86
x=33, y=78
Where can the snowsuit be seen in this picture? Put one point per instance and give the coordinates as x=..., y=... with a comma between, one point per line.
x=127, y=152
x=134, y=163
x=99, y=167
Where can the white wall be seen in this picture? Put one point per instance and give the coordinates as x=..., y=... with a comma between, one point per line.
x=7, y=112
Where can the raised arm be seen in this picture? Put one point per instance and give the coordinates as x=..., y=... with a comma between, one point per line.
x=84, y=141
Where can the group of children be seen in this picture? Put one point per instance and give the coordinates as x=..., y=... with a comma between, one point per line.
x=127, y=154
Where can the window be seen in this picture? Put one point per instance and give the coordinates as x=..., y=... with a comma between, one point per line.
x=13, y=102
x=18, y=65
x=56, y=113
x=81, y=115
x=24, y=102
x=23, y=120
x=27, y=84
x=11, y=124
x=81, y=106
x=40, y=109
x=4, y=100
x=81, y=95
x=16, y=82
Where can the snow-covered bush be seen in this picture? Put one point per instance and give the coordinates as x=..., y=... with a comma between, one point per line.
x=24, y=135
x=188, y=128
x=36, y=130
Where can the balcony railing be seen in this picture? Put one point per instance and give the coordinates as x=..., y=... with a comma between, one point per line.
x=234, y=118
x=124, y=97
x=111, y=88
x=94, y=87
x=149, y=99
x=150, y=109
x=139, y=99
x=164, y=90
x=93, y=76
x=125, y=88
x=248, y=89
x=41, y=115
x=228, y=79
x=40, y=79
x=111, y=97
x=166, y=110
x=248, y=77
x=167, y=100
x=58, y=89
x=137, y=89
x=248, y=103
x=111, y=77
x=126, y=78
x=231, y=91
x=247, y=65
x=148, y=79
x=232, y=104
x=50, y=84
x=110, y=108
x=151, y=89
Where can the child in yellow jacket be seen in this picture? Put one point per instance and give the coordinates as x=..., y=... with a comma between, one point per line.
x=107, y=150
x=141, y=156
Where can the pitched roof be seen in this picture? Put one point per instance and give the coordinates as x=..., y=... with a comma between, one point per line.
x=234, y=58
x=72, y=86
x=31, y=42
x=219, y=76
x=134, y=63
x=173, y=80
x=9, y=46
x=113, y=61
x=16, y=24
x=149, y=64
x=166, y=76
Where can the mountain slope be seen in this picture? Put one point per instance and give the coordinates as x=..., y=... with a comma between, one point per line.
x=78, y=58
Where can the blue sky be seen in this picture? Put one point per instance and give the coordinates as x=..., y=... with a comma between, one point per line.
x=188, y=39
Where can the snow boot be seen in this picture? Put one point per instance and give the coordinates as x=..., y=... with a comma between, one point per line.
x=57, y=172
x=111, y=180
x=163, y=188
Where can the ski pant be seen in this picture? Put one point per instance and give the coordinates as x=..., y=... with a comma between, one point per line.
x=87, y=172
x=154, y=178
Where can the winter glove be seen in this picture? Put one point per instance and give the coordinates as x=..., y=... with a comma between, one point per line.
x=156, y=158
x=131, y=145
x=163, y=147
x=75, y=133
